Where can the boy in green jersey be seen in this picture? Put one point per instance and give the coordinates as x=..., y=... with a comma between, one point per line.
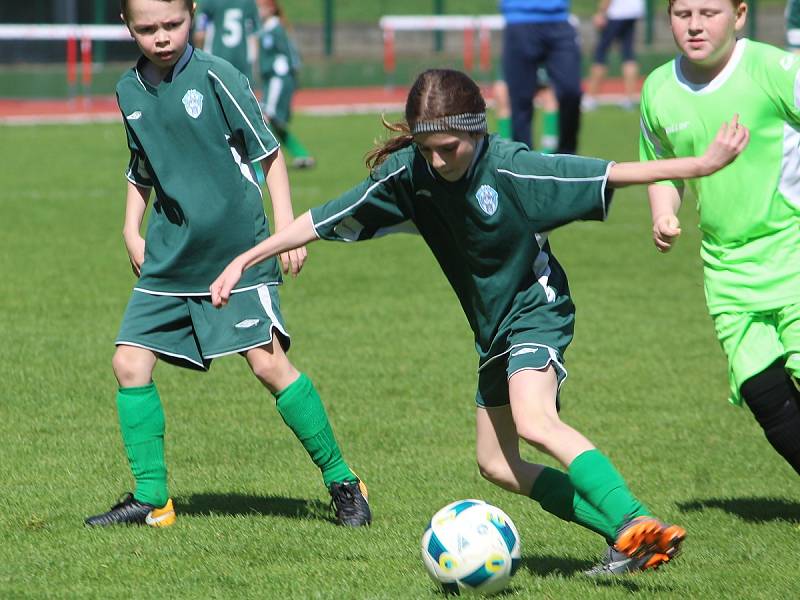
x=485, y=206
x=226, y=28
x=193, y=128
x=278, y=62
x=748, y=213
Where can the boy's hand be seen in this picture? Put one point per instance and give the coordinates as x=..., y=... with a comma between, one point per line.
x=293, y=260
x=221, y=287
x=135, y=246
x=731, y=140
x=666, y=228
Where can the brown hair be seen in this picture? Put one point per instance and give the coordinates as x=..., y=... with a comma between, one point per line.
x=189, y=4
x=436, y=93
x=735, y=3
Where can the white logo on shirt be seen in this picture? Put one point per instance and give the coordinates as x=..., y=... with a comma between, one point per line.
x=524, y=351
x=787, y=62
x=675, y=127
x=193, y=102
x=487, y=199
x=247, y=323
x=135, y=115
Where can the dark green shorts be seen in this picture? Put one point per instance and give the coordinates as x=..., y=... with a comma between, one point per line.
x=189, y=332
x=494, y=374
x=276, y=100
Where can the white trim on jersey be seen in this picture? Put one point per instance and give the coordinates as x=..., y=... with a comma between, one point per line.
x=249, y=124
x=716, y=83
x=274, y=90
x=357, y=202
x=789, y=183
x=651, y=137
x=603, y=178
x=550, y=350
x=157, y=351
x=199, y=294
x=266, y=302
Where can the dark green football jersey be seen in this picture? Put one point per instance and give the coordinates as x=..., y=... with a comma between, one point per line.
x=228, y=24
x=278, y=55
x=488, y=231
x=192, y=138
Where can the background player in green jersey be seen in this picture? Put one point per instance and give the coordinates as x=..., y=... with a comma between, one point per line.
x=484, y=206
x=749, y=214
x=793, y=25
x=226, y=28
x=193, y=128
x=278, y=63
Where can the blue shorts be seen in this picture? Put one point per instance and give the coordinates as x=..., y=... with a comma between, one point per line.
x=623, y=30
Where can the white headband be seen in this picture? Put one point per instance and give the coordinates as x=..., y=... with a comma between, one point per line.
x=471, y=122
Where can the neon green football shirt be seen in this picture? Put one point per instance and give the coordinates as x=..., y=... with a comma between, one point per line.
x=749, y=210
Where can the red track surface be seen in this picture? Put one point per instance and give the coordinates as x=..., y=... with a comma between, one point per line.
x=327, y=100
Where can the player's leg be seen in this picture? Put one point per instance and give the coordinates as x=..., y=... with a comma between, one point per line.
x=532, y=393
x=597, y=71
x=499, y=461
x=152, y=326
x=630, y=68
x=758, y=374
x=502, y=108
x=564, y=69
x=522, y=52
x=251, y=324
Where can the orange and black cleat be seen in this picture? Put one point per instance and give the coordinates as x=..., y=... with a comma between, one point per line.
x=647, y=535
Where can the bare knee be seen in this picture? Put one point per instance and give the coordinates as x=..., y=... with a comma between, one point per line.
x=498, y=471
x=271, y=367
x=541, y=432
x=133, y=366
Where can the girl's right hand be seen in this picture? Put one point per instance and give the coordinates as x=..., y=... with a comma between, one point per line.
x=135, y=246
x=731, y=140
x=666, y=228
x=227, y=280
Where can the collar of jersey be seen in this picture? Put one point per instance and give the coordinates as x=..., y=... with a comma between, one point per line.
x=719, y=80
x=176, y=70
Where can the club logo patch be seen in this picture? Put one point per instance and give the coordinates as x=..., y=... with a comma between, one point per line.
x=193, y=102
x=487, y=199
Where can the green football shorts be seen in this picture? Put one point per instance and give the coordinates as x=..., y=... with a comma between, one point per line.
x=753, y=341
x=189, y=332
x=494, y=374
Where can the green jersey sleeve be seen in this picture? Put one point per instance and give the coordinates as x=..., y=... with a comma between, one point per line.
x=778, y=77
x=653, y=141
x=136, y=172
x=554, y=190
x=242, y=112
x=368, y=210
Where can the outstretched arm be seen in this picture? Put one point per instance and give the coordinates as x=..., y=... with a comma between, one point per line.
x=731, y=140
x=295, y=235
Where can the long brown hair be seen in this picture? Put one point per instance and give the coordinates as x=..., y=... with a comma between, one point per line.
x=435, y=94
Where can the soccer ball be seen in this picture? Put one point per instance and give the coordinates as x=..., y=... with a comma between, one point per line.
x=471, y=546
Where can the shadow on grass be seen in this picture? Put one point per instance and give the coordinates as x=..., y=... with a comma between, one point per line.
x=548, y=566
x=248, y=504
x=752, y=510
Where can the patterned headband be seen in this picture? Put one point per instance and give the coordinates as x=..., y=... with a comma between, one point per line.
x=464, y=122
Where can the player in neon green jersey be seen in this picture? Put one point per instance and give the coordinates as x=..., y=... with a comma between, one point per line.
x=749, y=213
x=485, y=205
x=193, y=127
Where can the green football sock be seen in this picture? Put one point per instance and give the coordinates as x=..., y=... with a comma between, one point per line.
x=504, y=127
x=301, y=408
x=549, y=141
x=141, y=421
x=554, y=491
x=295, y=146
x=596, y=479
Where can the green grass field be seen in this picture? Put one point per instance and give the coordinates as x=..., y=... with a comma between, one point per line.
x=378, y=329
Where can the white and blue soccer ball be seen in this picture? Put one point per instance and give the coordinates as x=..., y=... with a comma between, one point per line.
x=471, y=547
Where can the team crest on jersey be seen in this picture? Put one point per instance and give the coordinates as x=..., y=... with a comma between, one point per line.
x=487, y=199
x=193, y=102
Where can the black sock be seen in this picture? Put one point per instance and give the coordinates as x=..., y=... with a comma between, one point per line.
x=772, y=397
